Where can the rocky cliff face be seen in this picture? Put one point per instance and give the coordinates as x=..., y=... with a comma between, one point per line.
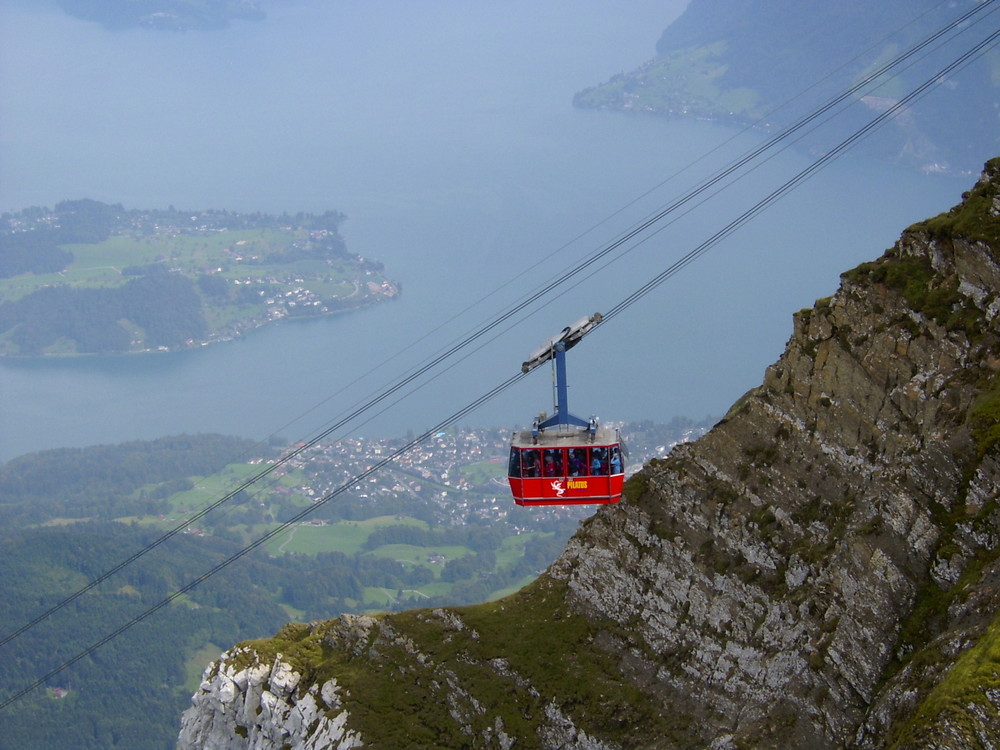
x=820, y=570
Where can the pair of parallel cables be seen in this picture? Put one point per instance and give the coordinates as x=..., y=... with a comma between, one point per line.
x=638, y=233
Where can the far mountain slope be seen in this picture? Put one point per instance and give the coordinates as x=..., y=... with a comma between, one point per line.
x=820, y=570
x=767, y=64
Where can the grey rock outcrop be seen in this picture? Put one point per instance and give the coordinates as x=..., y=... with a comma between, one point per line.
x=258, y=706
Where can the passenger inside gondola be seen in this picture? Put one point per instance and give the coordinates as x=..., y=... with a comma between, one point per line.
x=529, y=463
x=616, y=460
x=577, y=462
x=514, y=465
x=553, y=463
x=598, y=462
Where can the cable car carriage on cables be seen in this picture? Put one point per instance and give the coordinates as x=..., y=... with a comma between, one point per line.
x=563, y=459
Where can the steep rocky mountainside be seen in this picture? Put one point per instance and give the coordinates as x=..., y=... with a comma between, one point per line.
x=820, y=570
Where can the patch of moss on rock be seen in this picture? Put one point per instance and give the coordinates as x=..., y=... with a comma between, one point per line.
x=924, y=290
x=985, y=418
x=961, y=700
x=975, y=218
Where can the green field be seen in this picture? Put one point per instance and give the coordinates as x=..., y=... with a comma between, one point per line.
x=101, y=264
x=484, y=471
x=348, y=537
x=512, y=547
x=412, y=555
x=335, y=559
x=678, y=82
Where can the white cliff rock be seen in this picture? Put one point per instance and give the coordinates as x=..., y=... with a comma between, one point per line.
x=257, y=707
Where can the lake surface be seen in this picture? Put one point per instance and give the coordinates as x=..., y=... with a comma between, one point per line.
x=445, y=132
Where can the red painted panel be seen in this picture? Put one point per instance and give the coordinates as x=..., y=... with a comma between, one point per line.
x=566, y=490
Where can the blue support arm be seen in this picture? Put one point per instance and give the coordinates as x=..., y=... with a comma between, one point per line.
x=562, y=415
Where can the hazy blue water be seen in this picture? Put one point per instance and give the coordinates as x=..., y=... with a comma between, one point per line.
x=444, y=130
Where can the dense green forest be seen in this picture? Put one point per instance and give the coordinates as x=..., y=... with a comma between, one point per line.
x=105, y=482
x=34, y=246
x=31, y=253
x=129, y=693
x=167, y=307
x=92, y=278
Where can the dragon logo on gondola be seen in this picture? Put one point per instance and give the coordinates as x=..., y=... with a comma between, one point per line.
x=557, y=486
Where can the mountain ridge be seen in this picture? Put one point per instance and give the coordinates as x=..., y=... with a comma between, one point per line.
x=746, y=63
x=819, y=570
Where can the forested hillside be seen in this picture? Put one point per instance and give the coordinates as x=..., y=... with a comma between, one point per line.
x=69, y=515
x=105, y=482
x=127, y=694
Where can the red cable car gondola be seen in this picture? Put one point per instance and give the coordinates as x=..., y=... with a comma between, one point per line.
x=565, y=460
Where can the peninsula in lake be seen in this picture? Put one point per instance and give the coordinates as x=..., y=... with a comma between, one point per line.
x=91, y=278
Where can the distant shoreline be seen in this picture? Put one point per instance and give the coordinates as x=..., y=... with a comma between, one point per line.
x=293, y=320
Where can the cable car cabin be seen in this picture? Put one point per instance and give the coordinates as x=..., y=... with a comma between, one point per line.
x=565, y=460
x=566, y=467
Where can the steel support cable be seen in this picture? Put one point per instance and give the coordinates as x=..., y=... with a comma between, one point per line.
x=584, y=233
x=868, y=79
x=801, y=176
x=783, y=135
x=605, y=251
x=795, y=127
x=299, y=449
x=379, y=465
x=613, y=312
x=763, y=118
x=979, y=49
x=510, y=313
x=285, y=458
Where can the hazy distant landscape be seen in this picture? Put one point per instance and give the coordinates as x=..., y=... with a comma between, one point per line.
x=469, y=181
x=383, y=178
